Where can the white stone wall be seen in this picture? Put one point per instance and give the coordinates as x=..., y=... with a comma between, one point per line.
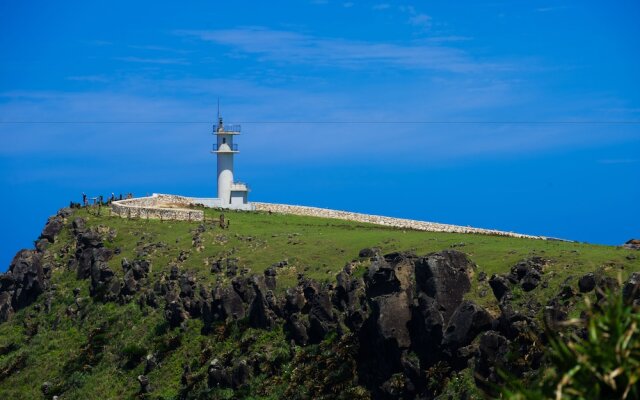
x=149, y=208
x=379, y=220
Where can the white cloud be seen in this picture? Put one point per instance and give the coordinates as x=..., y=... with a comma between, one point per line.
x=89, y=78
x=422, y=20
x=618, y=161
x=176, y=61
x=296, y=48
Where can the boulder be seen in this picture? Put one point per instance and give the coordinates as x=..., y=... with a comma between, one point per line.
x=467, y=321
x=393, y=315
x=632, y=244
x=260, y=315
x=232, y=305
x=526, y=266
x=369, y=252
x=426, y=328
x=42, y=245
x=218, y=376
x=587, y=283
x=143, y=380
x=493, y=350
x=554, y=314
x=89, y=239
x=631, y=288
x=52, y=228
x=444, y=276
x=22, y=283
x=104, y=284
x=500, y=286
x=297, y=328
x=295, y=300
x=240, y=374
x=530, y=281
x=175, y=314
x=151, y=362
x=270, y=278
x=216, y=267
x=6, y=307
x=25, y=278
x=78, y=225
x=318, y=306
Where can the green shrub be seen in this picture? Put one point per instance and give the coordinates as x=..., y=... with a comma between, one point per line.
x=601, y=362
x=132, y=355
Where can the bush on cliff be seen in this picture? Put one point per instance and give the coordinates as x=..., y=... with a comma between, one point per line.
x=600, y=360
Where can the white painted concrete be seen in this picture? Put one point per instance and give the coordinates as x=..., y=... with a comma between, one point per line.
x=230, y=194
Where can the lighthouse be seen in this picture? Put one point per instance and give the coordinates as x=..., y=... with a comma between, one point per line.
x=230, y=194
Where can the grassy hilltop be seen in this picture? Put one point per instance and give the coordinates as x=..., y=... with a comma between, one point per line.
x=88, y=349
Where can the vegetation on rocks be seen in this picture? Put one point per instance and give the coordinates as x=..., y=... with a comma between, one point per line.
x=276, y=306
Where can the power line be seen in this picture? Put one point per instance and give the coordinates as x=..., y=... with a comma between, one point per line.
x=330, y=122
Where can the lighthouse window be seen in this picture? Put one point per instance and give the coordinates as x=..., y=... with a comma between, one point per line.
x=224, y=140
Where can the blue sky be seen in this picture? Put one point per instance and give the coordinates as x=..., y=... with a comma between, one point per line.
x=494, y=114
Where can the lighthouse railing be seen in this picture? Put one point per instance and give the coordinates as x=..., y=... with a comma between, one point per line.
x=226, y=128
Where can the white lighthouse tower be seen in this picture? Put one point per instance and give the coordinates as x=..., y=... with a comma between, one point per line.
x=230, y=194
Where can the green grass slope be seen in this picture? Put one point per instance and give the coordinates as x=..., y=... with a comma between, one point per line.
x=99, y=354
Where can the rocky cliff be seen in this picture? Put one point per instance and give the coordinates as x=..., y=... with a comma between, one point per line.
x=393, y=325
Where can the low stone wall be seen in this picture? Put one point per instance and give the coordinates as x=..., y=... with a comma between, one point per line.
x=150, y=208
x=385, y=221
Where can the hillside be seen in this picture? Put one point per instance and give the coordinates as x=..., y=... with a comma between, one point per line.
x=281, y=306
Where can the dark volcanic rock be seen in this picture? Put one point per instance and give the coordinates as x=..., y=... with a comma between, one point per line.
x=294, y=300
x=527, y=272
x=382, y=279
x=606, y=283
x=22, y=283
x=270, y=278
x=393, y=316
x=297, y=326
x=218, y=376
x=231, y=304
x=104, y=283
x=260, y=315
x=500, y=286
x=465, y=324
x=587, y=283
x=631, y=289
x=426, y=329
x=175, y=314
x=633, y=244
x=526, y=266
x=240, y=374
x=6, y=308
x=41, y=245
x=530, y=281
x=493, y=350
x=143, y=380
x=89, y=239
x=52, y=228
x=444, y=276
x=369, y=252
x=78, y=225
x=27, y=278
